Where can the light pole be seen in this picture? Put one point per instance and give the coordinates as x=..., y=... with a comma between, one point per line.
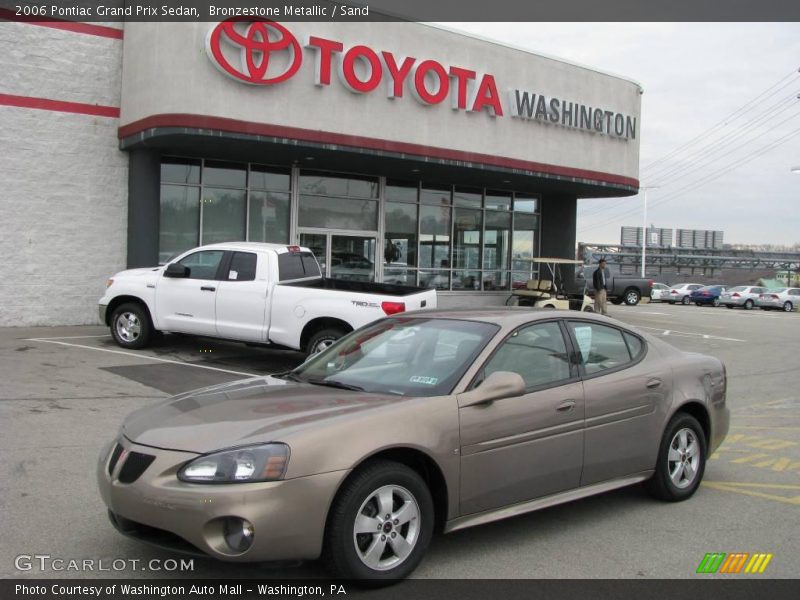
x=644, y=223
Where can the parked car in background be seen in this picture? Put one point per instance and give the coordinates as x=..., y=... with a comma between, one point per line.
x=659, y=293
x=785, y=299
x=708, y=295
x=621, y=288
x=681, y=292
x=316, y=461
x=745, y=296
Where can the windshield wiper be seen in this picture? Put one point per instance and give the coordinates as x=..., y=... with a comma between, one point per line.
x=334, y=384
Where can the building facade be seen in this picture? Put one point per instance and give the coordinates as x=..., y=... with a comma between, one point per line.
x=398, y=152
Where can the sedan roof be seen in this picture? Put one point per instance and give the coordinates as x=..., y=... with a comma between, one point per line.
x=510, y=316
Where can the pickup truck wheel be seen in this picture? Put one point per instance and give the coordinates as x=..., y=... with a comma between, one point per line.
x=323, y=339
x=632, y=297
x=131, y=327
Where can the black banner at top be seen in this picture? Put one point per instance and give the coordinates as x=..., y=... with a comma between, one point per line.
x=409, y=10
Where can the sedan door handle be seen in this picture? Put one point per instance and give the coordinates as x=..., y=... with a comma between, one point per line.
x=208, y=288
x=566, y=405
x=653, y=383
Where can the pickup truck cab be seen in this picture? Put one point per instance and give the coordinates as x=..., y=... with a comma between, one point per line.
x=249, y=292
x=621, y=288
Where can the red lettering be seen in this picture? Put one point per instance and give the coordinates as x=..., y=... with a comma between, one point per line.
x=325, y=49
x=398, y=74
x=487, y=97
x=367, y=57
x=462, y=78
x=422, y=92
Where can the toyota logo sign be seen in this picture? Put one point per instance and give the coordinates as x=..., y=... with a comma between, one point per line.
x=260, y=43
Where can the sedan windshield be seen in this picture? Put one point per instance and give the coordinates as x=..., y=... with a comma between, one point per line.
x=404, y=356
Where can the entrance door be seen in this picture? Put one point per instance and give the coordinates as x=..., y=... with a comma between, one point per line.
x=343, y=255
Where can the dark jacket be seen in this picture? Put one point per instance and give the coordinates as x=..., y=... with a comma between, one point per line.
x=596, y=282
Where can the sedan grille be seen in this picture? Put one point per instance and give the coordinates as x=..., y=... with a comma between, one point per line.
x=114, y=458
x=134, y=466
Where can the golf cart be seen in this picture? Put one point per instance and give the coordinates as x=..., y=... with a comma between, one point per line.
x=550, y=292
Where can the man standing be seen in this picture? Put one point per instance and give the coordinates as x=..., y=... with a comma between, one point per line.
x=600, y=288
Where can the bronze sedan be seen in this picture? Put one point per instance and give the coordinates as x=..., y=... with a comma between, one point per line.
x=434, y=420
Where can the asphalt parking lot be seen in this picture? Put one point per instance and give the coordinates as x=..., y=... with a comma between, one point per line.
x=65, y=391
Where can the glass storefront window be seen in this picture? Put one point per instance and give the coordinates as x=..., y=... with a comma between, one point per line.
x=224, y=215
x=224, y=174
x=497, y=240
x=267, y=178
x=524, y=245
x=466, y=280
x=439, y=195
x=336, y=185
x=526, y=204
x=498, y=200
x=495, y=280
x=439, y=280
x=180, y=170
x=434, y=237
x=338, y=213
x=269, y=217
x=400, y=238
x=180, y=220
x=467, y=197
x=468, y=224
x=401, y=191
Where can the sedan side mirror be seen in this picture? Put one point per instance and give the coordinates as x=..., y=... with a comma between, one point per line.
x=498, y=385
x=176, y=270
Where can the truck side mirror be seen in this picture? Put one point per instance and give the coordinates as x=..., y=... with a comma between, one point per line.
x=176, y=270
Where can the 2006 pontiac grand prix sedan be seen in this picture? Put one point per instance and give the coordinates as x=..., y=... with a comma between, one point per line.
x=434, y=420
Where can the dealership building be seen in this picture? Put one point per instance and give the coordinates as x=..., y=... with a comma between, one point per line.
x=398, y=152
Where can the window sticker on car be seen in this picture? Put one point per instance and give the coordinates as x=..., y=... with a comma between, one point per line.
x=233, y=275
x=425, y=380
x=583, y=335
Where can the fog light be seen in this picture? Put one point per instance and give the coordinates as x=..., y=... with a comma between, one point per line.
x=238, y=533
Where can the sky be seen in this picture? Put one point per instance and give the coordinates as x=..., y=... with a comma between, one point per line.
x=694, y=76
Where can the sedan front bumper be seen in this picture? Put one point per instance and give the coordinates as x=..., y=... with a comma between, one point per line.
x=288, y=517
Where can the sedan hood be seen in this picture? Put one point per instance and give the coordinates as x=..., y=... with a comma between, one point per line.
x=243, y=412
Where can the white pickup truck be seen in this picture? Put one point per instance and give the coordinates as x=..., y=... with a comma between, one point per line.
x=248, y=292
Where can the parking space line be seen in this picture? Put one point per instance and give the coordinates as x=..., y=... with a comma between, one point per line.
x=71, y=337
x=141, y=356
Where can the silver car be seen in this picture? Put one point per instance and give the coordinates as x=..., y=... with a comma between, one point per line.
x=785, y=299
x=681, y=292
x=745, y=296
x=660, y=292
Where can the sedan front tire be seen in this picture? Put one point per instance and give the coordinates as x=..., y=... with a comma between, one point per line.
x=380, y=524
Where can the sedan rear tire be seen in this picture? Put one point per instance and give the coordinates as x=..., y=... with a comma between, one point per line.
x=787, y=306
x=380, y=524
x=686, y=301
x=681, y=460
x=748, y=304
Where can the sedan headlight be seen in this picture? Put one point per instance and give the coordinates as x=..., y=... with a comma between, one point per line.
x=247, y=464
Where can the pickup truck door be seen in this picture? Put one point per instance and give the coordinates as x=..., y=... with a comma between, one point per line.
x=187, y=304
x=242, y=298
